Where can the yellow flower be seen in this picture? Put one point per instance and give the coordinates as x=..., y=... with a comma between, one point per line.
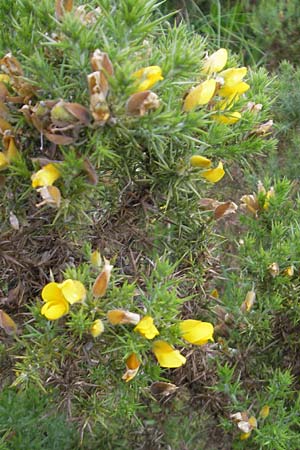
x=58, y=297
x=147, y=328
x=233, y=76
x=228, y=119
x=120, y=317
x=147, y=77
x=289, y=271
x=200, y=161
x=214, y=175
x=264, y=412
x=167, y=356
x=96, y=258
x=4, y=78
x=200, y=95
x=10, y=153
x=45, y=176
x=73, y=291
x=3, y=161
x=226, y=103
x=245, y=436
x=215, y=62
x=238, y=89
x=132, y=367
x=97, y=328
x=196, y=332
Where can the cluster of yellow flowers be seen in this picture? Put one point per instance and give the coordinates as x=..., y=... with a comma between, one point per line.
x=59, y=296
x=220, y=91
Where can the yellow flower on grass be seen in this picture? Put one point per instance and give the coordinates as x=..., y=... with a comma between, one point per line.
x=96, y=258
x=233, y=76
x=132, y=367
x=214, y=175
x=200, y=95
x=147, y=77
x=228, y=118
x=264, y=412
x=237, y=89
x=4, y=78
x=58, y=297
x=45, y=176
x=167, y=356
x=73, y=291
x=215, y=62
x=196, y=332
x=147, y=328
x=10, y=153
x=200, y=161
x=3, y=161
x=97, y=328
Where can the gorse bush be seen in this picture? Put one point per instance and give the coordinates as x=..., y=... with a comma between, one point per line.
x=121, y=131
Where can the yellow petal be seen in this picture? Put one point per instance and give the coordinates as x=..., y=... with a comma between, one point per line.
x=147, y=328
x=228, y=119
x=73, y=291
x=227, y=103
x=289, y=271
x=264, y=412
x=238, y=89
x=96, y=258
x=97, y=328
x=45, y=176
x=4, y=78
x=147, y=77
x=55, y=309
x=214, y=175
x=215, y=62
x=245, y=436
x=119, y=317
x=51, y=196
x=12, y=151
x=132, y=367
x=200, y=161
x=200, y=95
x=252, y=422
x=248, y=303
x=52, y=293
x=196, y=332
x=101, y=283
x=3, y=161
x=233, y=76
x=167, y=356
x=4, y=125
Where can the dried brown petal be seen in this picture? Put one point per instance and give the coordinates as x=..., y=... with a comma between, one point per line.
x=90, y=171
x=59, y=139
x=81, y=113
x=61, y=7
x=161, y=388
x=248, y=303
x=225, y=208
x=11, y=65
x=7, y=323
x=141, y=102
x=101, y=283
x=13, y=220
x=100, y=61
x=274, y=269
x=264, y=128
